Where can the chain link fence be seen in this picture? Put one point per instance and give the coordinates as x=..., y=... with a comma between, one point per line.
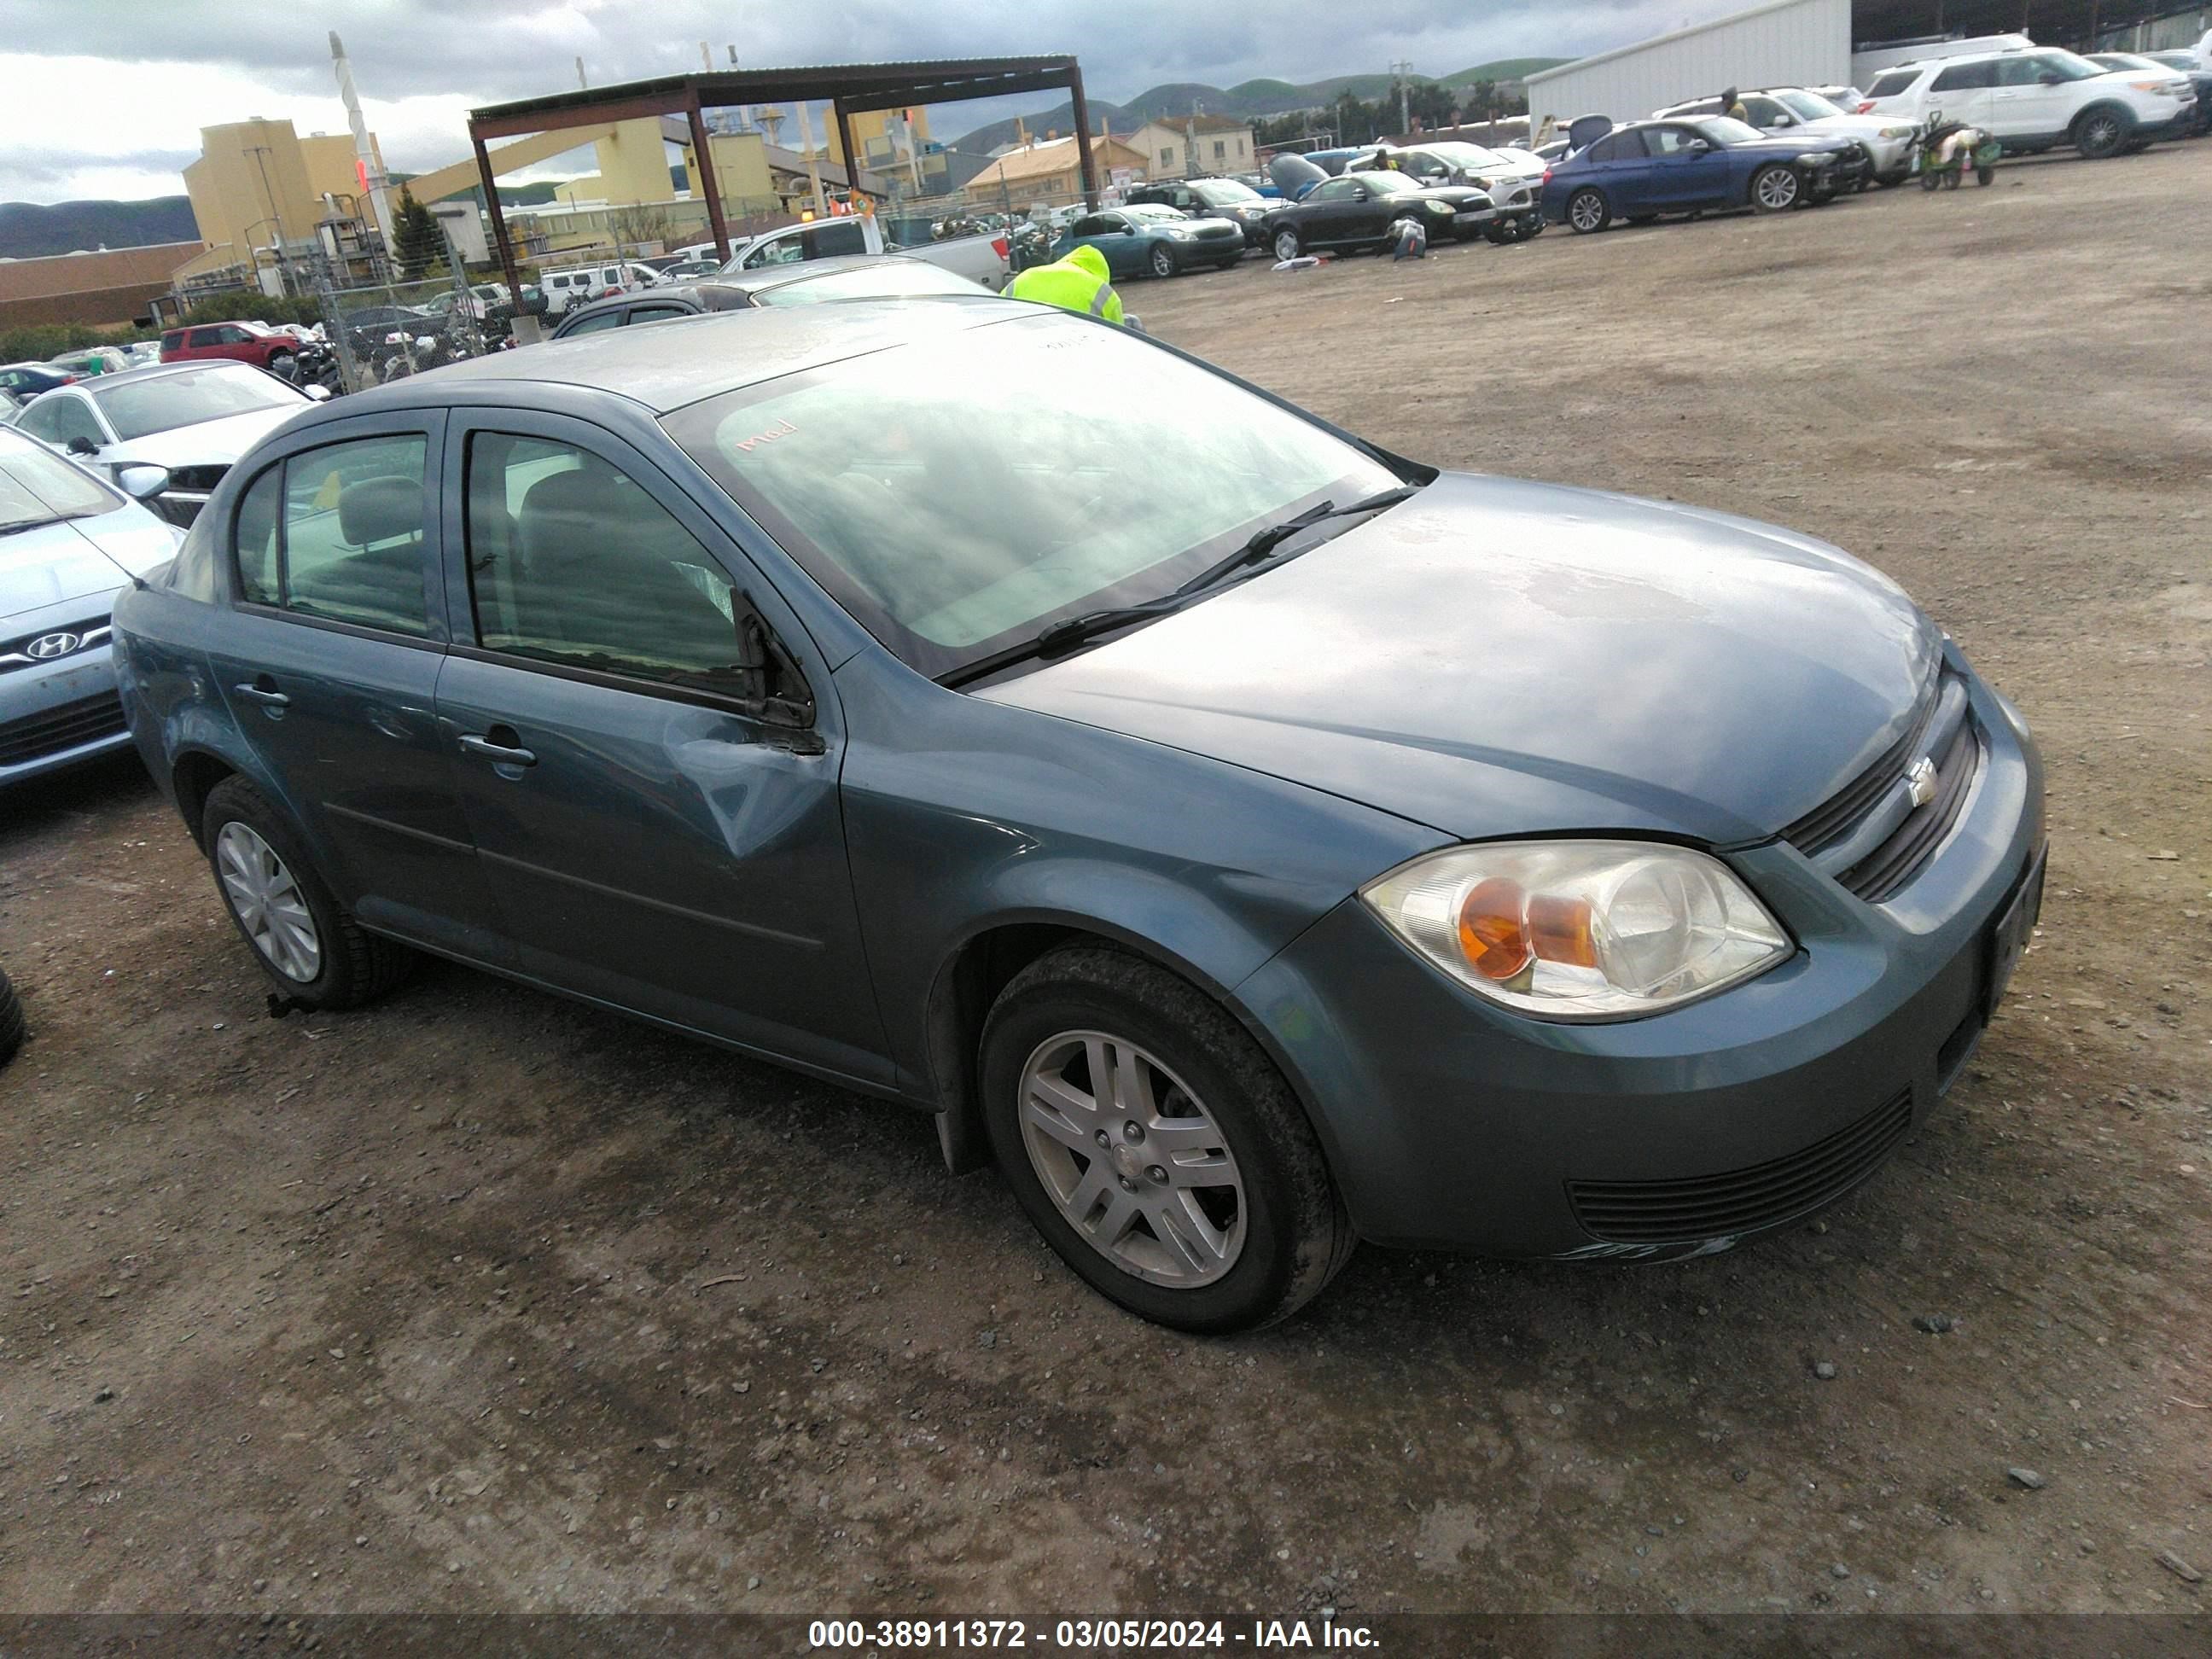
x=386, y=330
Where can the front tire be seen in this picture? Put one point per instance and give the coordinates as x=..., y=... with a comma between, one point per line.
x=1155, y=1145
x=1163, y=261
x=313, y=949
x=1775, y=189
x=2098, y=134
x=1286, y=243
x=12, y=1028
x=282, y=364
x=1587, y=212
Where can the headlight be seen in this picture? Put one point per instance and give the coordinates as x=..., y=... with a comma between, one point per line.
x=1580, y=930
x=1897, y=132
x=1443, y=209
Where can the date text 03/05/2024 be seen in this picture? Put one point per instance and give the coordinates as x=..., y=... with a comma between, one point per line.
x=1166, y=1635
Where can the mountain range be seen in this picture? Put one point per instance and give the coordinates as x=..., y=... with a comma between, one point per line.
x=32, y=230
x=1246, y=101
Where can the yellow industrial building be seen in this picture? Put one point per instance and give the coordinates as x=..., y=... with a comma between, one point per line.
x=258, y=180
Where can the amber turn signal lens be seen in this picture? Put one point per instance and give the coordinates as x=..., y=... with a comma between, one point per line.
x=1502, y=928
x=1493, y=931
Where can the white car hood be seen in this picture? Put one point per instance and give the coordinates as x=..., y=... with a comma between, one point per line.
x=77, y=558
x=207, y=443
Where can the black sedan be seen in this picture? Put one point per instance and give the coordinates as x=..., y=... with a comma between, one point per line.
x=1357, y=211
x=861, y=277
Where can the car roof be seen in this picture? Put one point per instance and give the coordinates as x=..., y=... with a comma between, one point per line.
x=799, y=271
x=666, y=369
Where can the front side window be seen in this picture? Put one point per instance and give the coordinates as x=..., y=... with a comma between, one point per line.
x=1336, y=189
x=571, y=561
x=138, y=409
x=336, y=532
x=1668, y=141
x=2065, y=65
x=62, y=421
x=1764, y=112
x=1808, y=106
x=957, y=493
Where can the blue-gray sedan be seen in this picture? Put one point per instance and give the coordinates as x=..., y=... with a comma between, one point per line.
x=68, y=542
x=1328, y=847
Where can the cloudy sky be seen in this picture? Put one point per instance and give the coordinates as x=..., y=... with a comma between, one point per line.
x=106, y=98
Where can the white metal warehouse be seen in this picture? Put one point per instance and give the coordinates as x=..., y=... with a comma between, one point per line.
x=1782, y=43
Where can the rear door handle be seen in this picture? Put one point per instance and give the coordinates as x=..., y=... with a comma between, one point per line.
x=263, y=691
x=502, y=754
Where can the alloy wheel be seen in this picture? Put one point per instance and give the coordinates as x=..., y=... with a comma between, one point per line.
x=1777, y=189
x=1133, y=1158
x=1164, y=261
x=2100, y=136
x=267, y=903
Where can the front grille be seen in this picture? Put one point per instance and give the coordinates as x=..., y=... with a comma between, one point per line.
x=1870, y=834
x=197, y=480
x=1702, y=1207
x=65, y=727
x=91, y=634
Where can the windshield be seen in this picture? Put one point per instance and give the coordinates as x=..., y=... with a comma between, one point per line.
x=1726, y=130
x=1469, y=155
x=1223, y=192
x=2067, y=67
x=888, y=280
x=1387, y=183
x=1806, y=106
x=2124, y=60
x=39, y=487
x=957, y=494
x=138, y=409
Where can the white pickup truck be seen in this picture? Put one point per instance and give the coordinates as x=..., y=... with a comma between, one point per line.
x=979, y=259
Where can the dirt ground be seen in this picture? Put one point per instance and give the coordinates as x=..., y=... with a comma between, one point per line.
x=478, y=1300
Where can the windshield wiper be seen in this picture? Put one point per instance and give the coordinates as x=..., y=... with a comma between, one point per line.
x=1072, y=631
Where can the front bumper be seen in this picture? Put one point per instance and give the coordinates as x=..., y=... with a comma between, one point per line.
x=59, y=714
x=1452, y=1123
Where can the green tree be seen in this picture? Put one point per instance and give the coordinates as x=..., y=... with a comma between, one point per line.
x=418, y=241
x=1432, y=104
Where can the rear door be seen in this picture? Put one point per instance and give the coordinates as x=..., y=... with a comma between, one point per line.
x=1624, y=171
x=329, y=663
x=1964, y=92
x=663, y=839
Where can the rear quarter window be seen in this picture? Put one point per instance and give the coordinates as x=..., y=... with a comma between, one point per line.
x=1895, y=81
x=172, y=340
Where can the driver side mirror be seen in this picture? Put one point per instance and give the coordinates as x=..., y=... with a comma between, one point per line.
x=1360, y=194
x=317, y=391
x=142, y=481
x=2049, y=78
x=81, y=444
x=1699, y=146
x=1785, y=121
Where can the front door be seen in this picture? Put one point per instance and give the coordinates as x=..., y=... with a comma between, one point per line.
x=655, y=840
x=1681, y=175
x=330, y=668
x=2022, y=105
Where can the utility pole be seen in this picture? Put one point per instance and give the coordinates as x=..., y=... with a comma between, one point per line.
x=1403, y=69
x=283, y=273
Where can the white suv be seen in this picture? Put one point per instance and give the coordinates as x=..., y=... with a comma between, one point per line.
x=2033, y=98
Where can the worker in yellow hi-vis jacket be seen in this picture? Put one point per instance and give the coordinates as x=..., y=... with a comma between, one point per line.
x=1079, y=281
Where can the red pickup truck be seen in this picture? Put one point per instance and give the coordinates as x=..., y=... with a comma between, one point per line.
x=244, y=342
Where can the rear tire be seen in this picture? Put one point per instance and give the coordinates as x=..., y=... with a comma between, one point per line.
x=1250, y=1224
x=1775, y=189
x=2098, y=134
x=13, y=1029
x=308, y=943
x=282, y=363
x=1588, y=212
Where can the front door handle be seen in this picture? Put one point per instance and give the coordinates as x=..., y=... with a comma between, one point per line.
x=263, y=691
x=508, y=753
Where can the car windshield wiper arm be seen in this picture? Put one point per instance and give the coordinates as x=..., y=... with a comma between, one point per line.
x=1257, y=546
x=1072, y=631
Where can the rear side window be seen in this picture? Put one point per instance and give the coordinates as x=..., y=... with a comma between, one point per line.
x=570, y=561
x=1963, y=77
x=610, y=319
x=1890, y=84
x=336, y=532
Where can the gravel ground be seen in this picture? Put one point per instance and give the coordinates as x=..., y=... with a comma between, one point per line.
x=480, y=1300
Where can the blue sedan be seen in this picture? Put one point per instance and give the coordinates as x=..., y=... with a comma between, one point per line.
x=1148, y=240
x=1647, y=168
x=1296, y=856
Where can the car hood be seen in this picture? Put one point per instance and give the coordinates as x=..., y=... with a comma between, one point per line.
x=1497, y=658
x=206, y=442
x=77, y=558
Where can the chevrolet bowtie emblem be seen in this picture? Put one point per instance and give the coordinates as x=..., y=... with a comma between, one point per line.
x=1920, y=781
